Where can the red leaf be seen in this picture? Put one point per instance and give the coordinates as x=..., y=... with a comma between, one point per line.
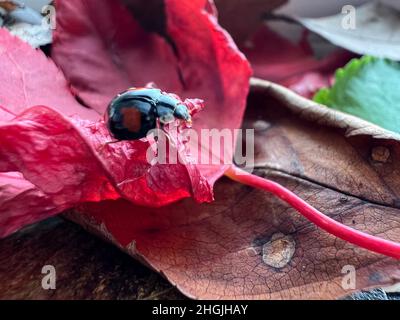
x=16, y=193
x=102, y=55
x=103, y=51
x=68, y=161
x=55, y=164
x=76, y=165
x=29, y=78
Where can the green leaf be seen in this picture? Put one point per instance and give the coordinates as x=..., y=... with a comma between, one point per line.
x=368, y=88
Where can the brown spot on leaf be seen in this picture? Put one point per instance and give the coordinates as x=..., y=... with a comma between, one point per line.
x=343, y=199
x=380, y=154
x=279, y=250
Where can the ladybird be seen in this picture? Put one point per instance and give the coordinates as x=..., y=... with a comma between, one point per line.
x=133, y=113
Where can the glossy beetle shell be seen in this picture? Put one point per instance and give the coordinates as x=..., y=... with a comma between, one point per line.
x=133, y=113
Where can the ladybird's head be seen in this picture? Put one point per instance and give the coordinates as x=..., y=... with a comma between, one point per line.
x=182, y=112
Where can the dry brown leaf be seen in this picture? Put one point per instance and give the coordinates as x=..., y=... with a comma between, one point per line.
x=250, y=245
x=86, y=267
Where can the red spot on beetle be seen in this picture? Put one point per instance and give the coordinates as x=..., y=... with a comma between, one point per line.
x=132, y=119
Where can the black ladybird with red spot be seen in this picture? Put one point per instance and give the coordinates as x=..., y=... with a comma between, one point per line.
x=133, y=113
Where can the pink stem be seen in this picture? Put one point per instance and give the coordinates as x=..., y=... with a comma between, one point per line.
x=372, y=243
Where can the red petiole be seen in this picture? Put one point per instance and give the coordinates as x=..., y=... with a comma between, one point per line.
x=372, y=243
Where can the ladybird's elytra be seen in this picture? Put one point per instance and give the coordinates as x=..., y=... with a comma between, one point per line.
x=133, y=113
